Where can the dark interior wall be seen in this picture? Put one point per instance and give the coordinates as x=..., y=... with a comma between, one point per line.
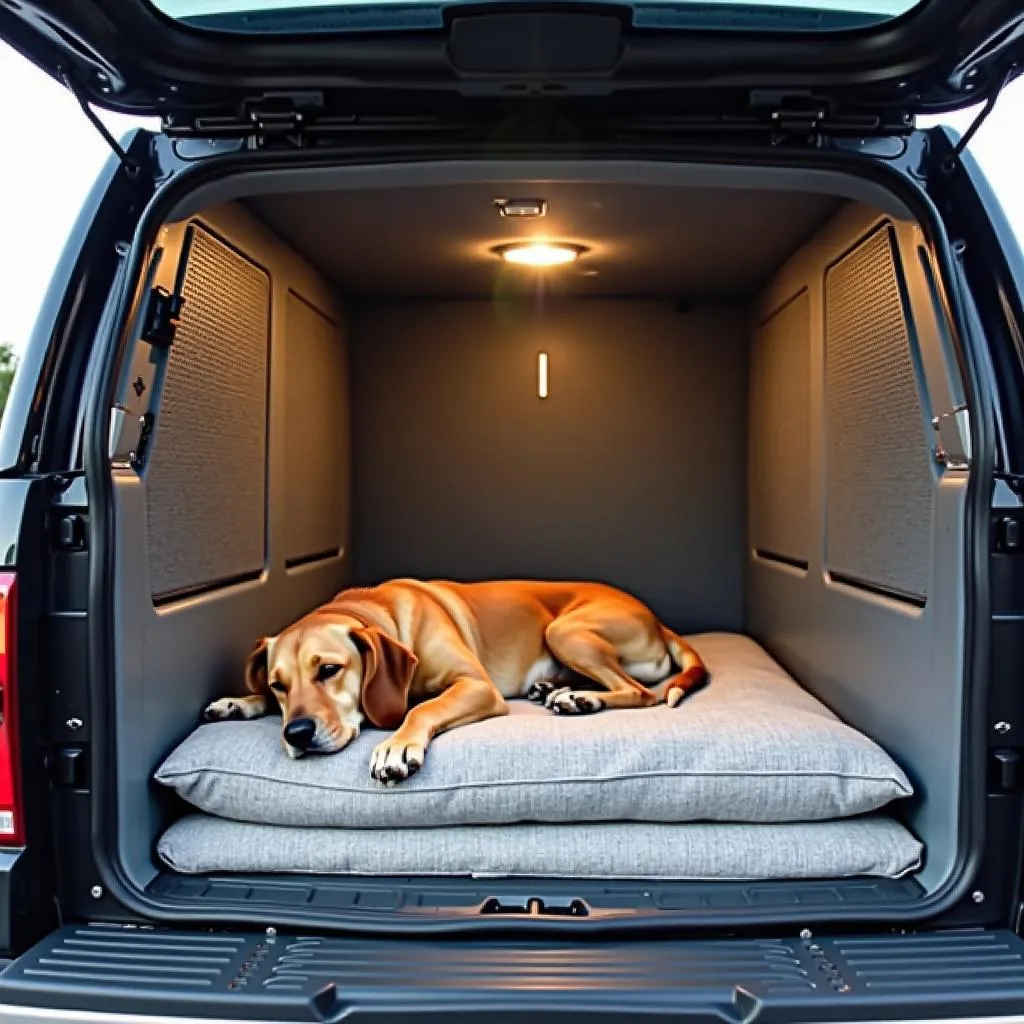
x=632, y=471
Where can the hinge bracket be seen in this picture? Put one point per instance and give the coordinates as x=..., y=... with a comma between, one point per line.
x=953, y=433
x=258, y=119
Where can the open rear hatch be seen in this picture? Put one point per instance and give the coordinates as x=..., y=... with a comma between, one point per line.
x=306, y=74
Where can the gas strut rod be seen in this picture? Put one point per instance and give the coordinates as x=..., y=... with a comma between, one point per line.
x=130, y=166
x=950, y=162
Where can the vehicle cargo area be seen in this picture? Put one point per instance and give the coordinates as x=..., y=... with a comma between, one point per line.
x=723, y=405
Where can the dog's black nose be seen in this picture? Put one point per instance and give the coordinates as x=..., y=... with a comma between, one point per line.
x=299, y=733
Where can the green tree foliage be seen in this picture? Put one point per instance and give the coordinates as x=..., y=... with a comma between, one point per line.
x=8, y=364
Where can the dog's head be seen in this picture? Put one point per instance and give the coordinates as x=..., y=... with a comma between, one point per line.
x=326, y=675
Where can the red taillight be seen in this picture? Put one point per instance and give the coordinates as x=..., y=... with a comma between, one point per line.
x=12, y=822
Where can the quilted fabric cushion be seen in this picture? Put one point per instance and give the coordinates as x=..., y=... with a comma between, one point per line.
x=752, y=746
x=872, y=846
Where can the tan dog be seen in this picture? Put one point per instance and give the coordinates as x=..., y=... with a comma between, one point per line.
x=425, y=657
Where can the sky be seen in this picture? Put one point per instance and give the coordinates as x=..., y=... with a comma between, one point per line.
x=51, y=155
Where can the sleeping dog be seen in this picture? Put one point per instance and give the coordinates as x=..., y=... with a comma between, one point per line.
x=424, y=657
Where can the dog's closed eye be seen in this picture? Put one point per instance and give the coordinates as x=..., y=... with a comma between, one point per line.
x=326, y=671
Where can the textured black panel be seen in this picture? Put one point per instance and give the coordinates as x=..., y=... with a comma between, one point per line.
x=206, y=481
x=780, y=432
x=286, y=977
x=880, y=482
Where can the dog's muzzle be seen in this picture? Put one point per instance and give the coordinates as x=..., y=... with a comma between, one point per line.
x=300, y=734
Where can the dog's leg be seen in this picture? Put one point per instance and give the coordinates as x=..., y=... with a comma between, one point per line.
x=589, y=652
x=692, y=673
x=253, y=705
x=466, y=700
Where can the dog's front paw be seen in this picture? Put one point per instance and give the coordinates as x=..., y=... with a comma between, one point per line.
x=573, y=702
x=224, y=709
x=395, y=760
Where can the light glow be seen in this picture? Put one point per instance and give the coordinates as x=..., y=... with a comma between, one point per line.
x=542, y=375
x=539, y=254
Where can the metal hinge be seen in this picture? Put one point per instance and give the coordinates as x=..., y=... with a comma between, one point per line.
x=161, y=318
x=797, y=115
x=813, y=118
x=259, y=120
x=953, y=432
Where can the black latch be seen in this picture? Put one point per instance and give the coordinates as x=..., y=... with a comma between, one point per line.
x=137, y=457
x=535, y=907
x=1008, y=533
x=67, y=767
x=1006, y=773
x=69, y=532
x=161, y=319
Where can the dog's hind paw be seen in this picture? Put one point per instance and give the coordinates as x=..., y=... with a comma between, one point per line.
x=541, y=690
x=573, y=702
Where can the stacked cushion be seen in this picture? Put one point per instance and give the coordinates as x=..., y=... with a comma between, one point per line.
x=752, y=747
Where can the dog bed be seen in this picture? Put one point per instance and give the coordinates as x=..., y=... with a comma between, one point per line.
x=751, y=746
x=872, y=846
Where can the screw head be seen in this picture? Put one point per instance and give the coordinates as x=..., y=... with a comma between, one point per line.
x=1002, y=728
x=74, y=723
x=978, y=896
x=96, y=892
x=806, y=933
x=271, y=931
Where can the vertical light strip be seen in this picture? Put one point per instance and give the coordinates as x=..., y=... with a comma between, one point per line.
x=542, y=375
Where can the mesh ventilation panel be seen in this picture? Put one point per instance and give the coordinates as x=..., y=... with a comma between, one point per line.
x=316, y=417
x=878, y=464
x=779, y=434
x=206, y=479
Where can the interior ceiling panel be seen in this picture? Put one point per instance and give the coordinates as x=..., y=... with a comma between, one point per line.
x=651, y=241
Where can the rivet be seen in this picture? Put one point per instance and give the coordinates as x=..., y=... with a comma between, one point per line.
x=74, y=723
x=806, y=933
x=271, y=931
x=1002, y=728
x=978, y=896
x=96, y=892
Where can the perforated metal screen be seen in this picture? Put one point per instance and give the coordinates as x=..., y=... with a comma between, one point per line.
x=206, y=479
x=779, y=432
x=878, y=465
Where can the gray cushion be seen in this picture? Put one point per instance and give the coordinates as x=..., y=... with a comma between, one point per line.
x=825, y=849
x=751, y=746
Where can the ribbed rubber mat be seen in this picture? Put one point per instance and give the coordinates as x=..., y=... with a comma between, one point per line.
x=879, y=484
x=266, y=976
x=206, y=480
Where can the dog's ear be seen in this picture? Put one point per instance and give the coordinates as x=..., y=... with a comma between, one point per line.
x=256, y=666
x=388, y=668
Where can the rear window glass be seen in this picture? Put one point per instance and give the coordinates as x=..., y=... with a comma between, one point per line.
x=316, y=16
